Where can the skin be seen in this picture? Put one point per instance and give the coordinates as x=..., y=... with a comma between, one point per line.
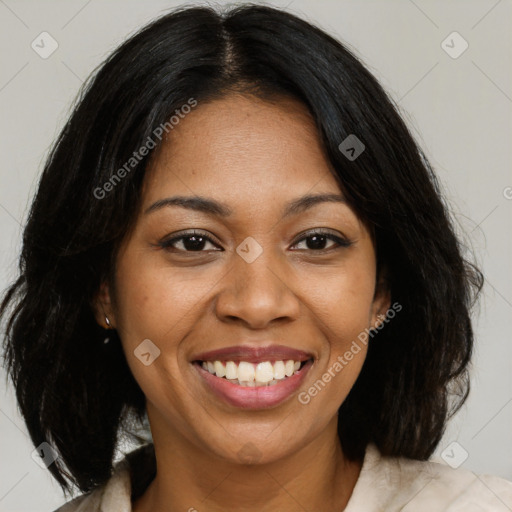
x=255, y=156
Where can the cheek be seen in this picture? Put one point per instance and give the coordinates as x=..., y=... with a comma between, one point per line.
x=155, y=304
x=343, y=303
x=344, y=314
x=154, y=300
x=344, y=354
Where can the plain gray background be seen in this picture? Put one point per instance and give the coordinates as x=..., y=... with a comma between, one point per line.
x=458, y=108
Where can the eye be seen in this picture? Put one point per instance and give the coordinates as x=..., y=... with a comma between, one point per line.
x=192, y=241
x=319, y=238
x=195, y=241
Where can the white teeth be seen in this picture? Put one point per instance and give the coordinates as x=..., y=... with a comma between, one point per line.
x=248, y=374
x=288, y=368
x=264, y=372
x=231, y=371
x=279, y=370
x=220, y=369
x=246, y=371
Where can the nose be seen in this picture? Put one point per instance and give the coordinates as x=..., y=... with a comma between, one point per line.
x=257, y=293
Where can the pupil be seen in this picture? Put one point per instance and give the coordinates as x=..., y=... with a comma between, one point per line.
x=196, y=245
x=319, y=244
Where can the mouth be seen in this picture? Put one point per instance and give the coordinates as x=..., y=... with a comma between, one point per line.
x=246, y=374
x=253, y=378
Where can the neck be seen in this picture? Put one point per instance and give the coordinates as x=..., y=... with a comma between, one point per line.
x=317, y=477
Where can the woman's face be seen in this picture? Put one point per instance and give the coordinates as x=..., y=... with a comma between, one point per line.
x=261, y=290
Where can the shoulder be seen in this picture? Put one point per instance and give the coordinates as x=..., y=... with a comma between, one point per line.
x=397, y=483
x=439, y=485
x=130, y=475
x=90, y=502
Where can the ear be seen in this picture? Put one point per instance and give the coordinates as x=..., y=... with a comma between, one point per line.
x=102, y=307
x=381, y=300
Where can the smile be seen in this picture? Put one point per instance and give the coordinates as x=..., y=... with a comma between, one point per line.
x=244, y=373
x=247, y=389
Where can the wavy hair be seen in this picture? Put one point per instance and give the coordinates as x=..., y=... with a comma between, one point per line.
x=77, y=393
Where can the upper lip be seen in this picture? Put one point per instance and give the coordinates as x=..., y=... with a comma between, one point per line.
x=254, y=354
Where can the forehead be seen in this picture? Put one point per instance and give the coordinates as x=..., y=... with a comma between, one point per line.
x=243, y=145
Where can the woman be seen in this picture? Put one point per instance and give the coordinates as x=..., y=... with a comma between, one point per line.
x=236, y=237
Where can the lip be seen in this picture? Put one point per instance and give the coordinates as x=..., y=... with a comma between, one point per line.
x=257, y=397
x=257, y=354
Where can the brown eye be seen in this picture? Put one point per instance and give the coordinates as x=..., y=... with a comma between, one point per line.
x=316, y=241
x=190, y=242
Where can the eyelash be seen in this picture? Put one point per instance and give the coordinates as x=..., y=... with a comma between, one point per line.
x=341, y=242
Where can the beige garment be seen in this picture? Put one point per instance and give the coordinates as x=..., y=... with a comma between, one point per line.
x=385, y=484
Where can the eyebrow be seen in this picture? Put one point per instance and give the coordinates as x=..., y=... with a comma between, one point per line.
x=213, y=207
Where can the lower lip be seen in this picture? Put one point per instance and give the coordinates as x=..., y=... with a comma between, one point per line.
x=257, y=397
